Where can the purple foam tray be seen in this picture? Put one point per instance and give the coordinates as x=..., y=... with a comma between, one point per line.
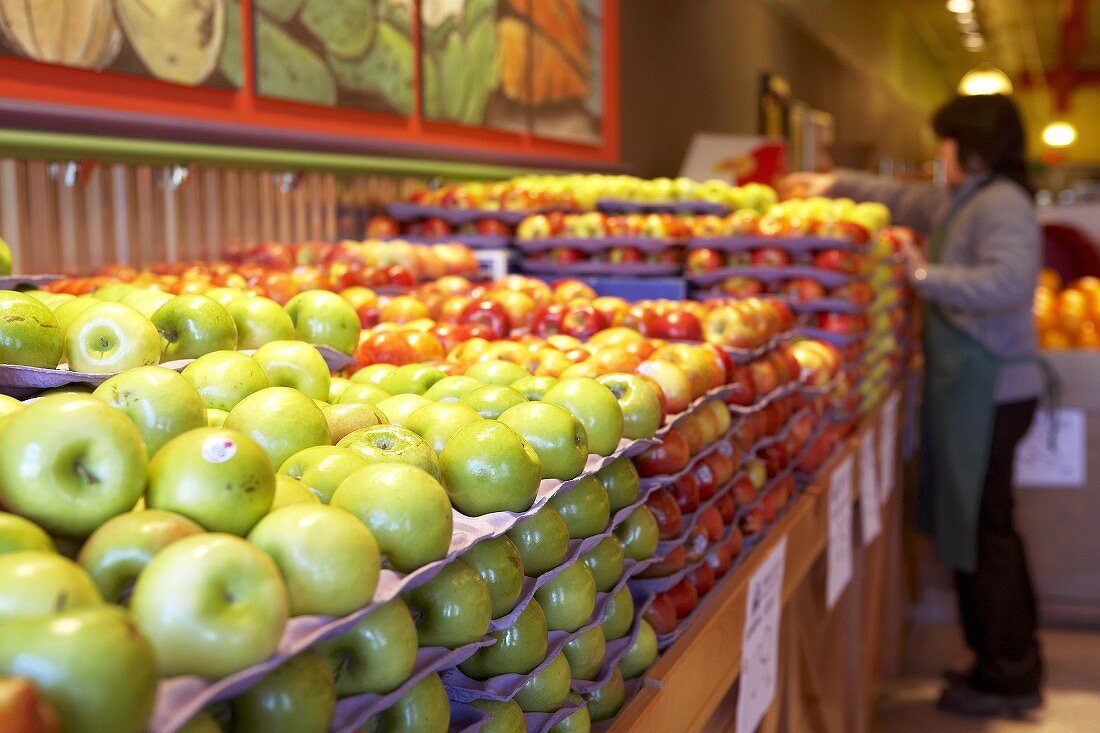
x=597, y=244
x=836, y=339
x=466, y=718
x=822, y=305
x=642, y=269
x=787, y=244
x=456, y=217
x=473, y=241
x=632, y=688
x=12, y=282
x=621, y=206
x=828, y=278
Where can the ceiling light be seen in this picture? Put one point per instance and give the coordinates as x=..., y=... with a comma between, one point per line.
x=960, y=6
x=1059, y=134
x=985, y=80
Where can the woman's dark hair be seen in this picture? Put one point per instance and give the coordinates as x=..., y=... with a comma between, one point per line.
x=987, y=127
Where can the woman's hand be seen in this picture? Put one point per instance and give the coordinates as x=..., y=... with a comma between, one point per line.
x=805, y=185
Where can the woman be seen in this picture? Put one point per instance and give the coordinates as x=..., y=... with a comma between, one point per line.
x=982, y=381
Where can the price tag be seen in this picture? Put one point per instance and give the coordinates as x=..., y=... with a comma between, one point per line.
x=760, y=642
x=888, y=445
x=838, y=570
x=1053, y=453
x=870, y=508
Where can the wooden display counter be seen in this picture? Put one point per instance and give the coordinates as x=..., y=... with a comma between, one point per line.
x=830, y=662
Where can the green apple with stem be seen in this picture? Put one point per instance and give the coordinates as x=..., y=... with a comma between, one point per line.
x=405, y=509
x=423, y=709
x=344, y=419
x=534, y=387
x=215, y=418
x=487, y=467
x=69, y=463
x=282, y=420
x=547, y=690
x=558, y=438
x=569, y=598
x=518, y=649
x=328, y=558
x=437, y=422
x=605, y=562
x=372, y=374
x=498, y=563
x=146, y=302
x=505, y=716
x=640, y=405
x=376, y=655
x=29, y=332
x=218, y=477
x=452, y=388
x=620, y=480
x=497, y=371
x=161, y=403
x=596, y=408
x=109, y=338
x=585, y=653
x=604, y=703
x=210, y=605
x=542, y=541
x=191, y=325
x=295, y=364
x=642, y=652
x=618, y=615
x=399, y=407
x=119, y=550
x=639, y=534
x=392, y=444
x=323, y=317
x=259, y=321
x=453, y=608
x=67, y=311
x=492, y=400
x=322, y=468
x=18, y=534
x=411, y=379
x=298, y=696
x=357, y=393
x=35, y=583
x=224, y=378
x=90, y=665
x=584, y=507
x=291, y=491
x=578, y=721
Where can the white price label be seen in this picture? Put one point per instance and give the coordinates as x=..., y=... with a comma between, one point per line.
x=870, y=508
x=888, y=445
x=838, y=569
x=760, y=642
x=1053, y=452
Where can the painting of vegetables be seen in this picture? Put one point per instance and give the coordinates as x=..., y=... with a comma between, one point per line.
x=178, y=41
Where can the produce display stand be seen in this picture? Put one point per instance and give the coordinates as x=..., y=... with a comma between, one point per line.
x=831, y=663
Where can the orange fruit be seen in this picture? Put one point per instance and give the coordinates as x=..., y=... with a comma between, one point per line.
x=1087, y=284
x=1050, y=279
x=1054, y=339
x=1088, y=337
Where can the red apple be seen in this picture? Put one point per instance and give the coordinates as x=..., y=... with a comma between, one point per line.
x=684, y=598
x=488, y=315
x=704, y=260
x=667, y=457
x=661, y=614
x=667, y=513
x=686, y=491
x=702, y=577
x=770, y=257
x=726, y=508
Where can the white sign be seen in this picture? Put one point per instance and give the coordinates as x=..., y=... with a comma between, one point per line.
x=888, y=445
x=734, y=158
x=760, y=642
x=492, y=263
x=838, y=569
x=870, y=509
x=1053, y=453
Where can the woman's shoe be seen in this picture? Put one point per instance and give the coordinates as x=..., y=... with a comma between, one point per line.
x=965, y=700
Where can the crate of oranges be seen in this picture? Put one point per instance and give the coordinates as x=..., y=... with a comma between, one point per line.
x=1067, y=317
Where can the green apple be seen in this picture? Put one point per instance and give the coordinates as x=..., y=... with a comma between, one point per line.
x=224, y=378
x=322, y=468
x=225, y=296
x=453, y=608
x=605, y=702
x=372, y=374
x=295, y=364
x=518, y=649
x=411, y=379
x=488, y=467
x=504, y=716
x=497, y=371
x=618, y=615
x=218, y=477
x=90, y=665
x=215, y=418
x=605, y=562
x=405, y=509
x=640, y=405
x=298, y=696
x=585, y=653
x=35, y=583
x=437, y=422
x=69, y=463
x=492, y=400
x=620, y=480
x=642, y=652
x=376, y=655
x=367, y=394
x=398, y=407
x=210, y=605
x=67, y=311
x=639, y=534
x=18, y=534
x=115, y=292
x=534, y=387
x=578, y=721
x=498, y=563
x=290, y=491
x=344, y=419
x=282, y=420
x=547, y=690
x=119, y=550
x=392, y=444
x=29, y=332
x=109, y=338
x=146, y=302
x=336, y=387
x=191, y=325
x=452, y=388
x=542, y=541
x=595, y=406
x=328, y=558
x=323, y=317
x=584, y=507
x=44, y=297
x=259, y=321
x=161, y=403
x=203, y=722
x=569, y=598
x=558, y=438
x=423, y=709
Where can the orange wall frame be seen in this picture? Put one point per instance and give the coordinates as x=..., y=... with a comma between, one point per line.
x=63, y=99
